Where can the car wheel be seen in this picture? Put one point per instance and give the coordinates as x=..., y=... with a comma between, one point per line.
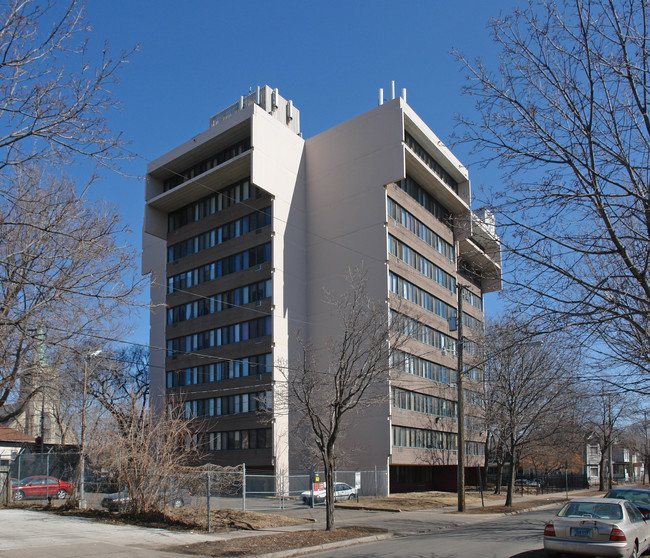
x=635, y=552
x=19, y=495
x=178, y=503
x=351, y=497
x=61, y=494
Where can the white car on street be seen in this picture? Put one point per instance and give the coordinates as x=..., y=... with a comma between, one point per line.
x=342, y=491
x=598, y=527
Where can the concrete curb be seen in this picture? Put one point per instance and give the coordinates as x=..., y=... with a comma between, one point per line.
x=369, y=508
x=326, y=546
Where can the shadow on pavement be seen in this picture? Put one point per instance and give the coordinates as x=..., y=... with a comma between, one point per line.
x=530, y=554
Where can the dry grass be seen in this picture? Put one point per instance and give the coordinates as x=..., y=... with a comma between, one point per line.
x=186, y=518
x=253, y=546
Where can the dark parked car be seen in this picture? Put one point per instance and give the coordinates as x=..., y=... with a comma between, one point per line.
x=120, y=500
x=640, y=497
x=41, y=487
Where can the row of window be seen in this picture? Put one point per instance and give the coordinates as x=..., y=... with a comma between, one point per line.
x=472, y=323
x=422, y=403
x=224, y=198
x=418, y=228
x=474, y=423
x=426, y=200
x=417, y=366
x=225, y=266
x=427, y=268
x=228, y=231
x=259, y=438
x=405, y=437
x=424, y=334
x=475, y=398
x=229, y=405
x=226, y=335
x=473, y=299
x=207, y=164
x=430, y=162
x=473, y=372
x=224, y=370
x=220, y=302
x=422, y=298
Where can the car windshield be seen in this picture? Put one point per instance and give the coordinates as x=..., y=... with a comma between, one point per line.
x=595, y=510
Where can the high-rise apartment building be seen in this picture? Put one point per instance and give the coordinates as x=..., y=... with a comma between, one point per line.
x=246, y=223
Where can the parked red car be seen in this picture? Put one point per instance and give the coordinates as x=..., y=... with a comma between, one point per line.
x=41, y=487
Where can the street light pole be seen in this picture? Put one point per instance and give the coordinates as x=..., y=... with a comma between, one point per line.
x=82, y=452
x=82, y=445
x=461, y=405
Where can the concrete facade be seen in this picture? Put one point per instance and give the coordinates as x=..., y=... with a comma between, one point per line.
x=381, y=191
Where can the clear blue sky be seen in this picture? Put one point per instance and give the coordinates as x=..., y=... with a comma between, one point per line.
x=197, y=57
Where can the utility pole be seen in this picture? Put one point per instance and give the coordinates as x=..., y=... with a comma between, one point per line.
x=460, y=345
x=645, y=454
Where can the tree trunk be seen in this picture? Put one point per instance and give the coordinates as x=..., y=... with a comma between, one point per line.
x=511, y=476
x=329, y=493
x=601, y=476
x=497, y=484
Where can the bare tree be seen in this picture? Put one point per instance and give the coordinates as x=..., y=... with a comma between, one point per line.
x=55, y=92
x=565, y=115
x=64, y=276
x=607, y=410
x=329, y=384
x=528, y=389
x=146, y=455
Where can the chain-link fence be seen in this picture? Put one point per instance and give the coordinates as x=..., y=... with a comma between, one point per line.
x=55, y=476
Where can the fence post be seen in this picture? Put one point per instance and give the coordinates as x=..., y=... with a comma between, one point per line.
x=376, y=484
x=243, y=488
x=20, y=460
x=208, y=500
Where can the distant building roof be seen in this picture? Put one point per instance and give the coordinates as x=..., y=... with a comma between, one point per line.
x=8, y=434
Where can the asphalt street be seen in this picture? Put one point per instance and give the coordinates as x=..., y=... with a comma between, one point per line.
x=514, y=536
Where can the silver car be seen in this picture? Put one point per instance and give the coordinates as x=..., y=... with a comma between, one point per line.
x=597, y=527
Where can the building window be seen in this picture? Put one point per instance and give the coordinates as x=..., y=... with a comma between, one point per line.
x=405, y=437
x=227, y=197
x=430, y=162
x=259, y=438
x=220, y=268
x=418, y=228
x=426, y=200
x=220, y=302
x=422, y=298
x=472, y=298
x=411, y=364
x=222, y=370
x=427, y=268
x=225, y=335
x=207, y=164
x=423, y=333
x=229, y=405
x=215, y=237
x=422, y=403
